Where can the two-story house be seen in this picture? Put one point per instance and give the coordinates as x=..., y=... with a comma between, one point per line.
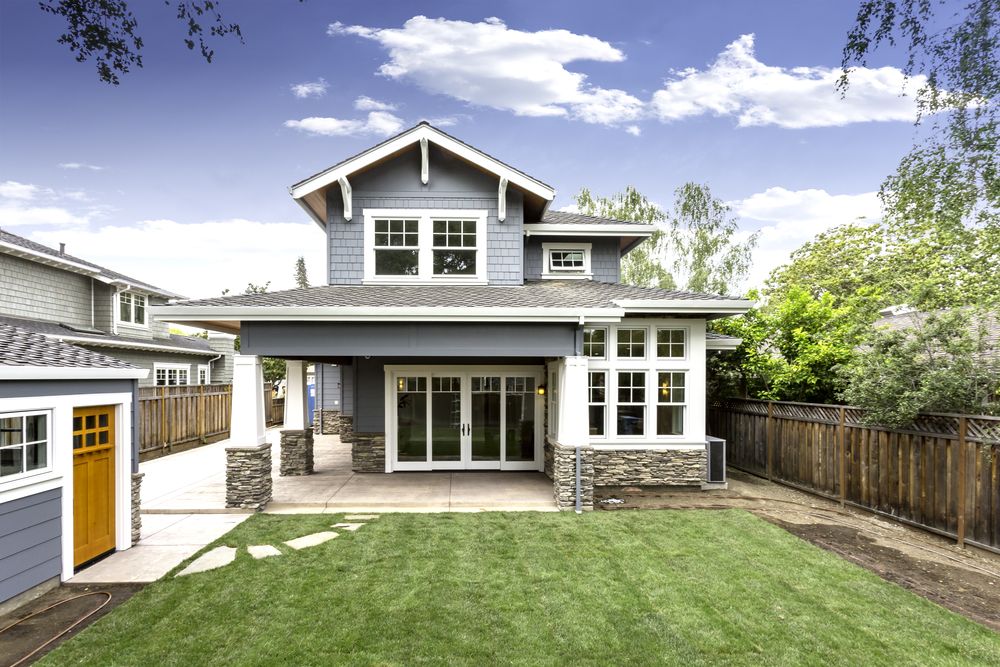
x=52, y=293
x=473, y=328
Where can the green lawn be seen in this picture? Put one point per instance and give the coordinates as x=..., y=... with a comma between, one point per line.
x=605, y=588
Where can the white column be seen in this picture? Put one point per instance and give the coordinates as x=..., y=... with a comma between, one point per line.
x=574, y=429
x=296, y=404
x=247, y=427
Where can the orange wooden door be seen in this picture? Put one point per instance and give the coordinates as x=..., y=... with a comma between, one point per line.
x=93, y=482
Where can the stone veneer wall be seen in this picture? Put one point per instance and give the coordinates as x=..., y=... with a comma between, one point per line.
x=367, y=452
x=296, y=452
x=564, y=477
x=248, y=476
x=650, y=467
x=548, y=453
x=331, y=422
x=136, y=516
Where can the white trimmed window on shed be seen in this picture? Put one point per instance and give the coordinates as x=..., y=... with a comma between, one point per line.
x=25, y=444
x=424, y=246
x=171, y=375
x=566, y=260
x=132, y=308
x=204, y=374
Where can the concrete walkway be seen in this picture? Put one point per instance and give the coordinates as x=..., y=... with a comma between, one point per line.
x=194, y=482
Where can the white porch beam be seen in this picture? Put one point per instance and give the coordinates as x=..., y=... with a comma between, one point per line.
x=424, y=161
x=502, y=200
x=296, y=404
x=346, y=193
x=247, y=429
x=574, y=428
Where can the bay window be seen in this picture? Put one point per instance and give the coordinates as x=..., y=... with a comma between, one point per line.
x=424, y=246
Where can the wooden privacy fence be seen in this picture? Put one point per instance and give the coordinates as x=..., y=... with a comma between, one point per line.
x=942, y=473
x=190, y=415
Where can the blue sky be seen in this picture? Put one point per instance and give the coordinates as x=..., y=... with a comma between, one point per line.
x=180, y=174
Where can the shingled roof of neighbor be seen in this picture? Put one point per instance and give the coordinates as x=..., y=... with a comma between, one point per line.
x=20, y=347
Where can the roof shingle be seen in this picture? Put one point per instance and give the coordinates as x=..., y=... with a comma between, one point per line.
x=19, y=347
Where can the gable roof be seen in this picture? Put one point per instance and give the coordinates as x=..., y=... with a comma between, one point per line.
x=541, y=300
x=28, y=355
x=12, y=244
x=310, y=192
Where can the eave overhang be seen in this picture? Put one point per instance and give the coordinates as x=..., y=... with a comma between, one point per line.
x=71, y=373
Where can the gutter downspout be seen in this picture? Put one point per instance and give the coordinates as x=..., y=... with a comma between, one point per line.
x=579, y=504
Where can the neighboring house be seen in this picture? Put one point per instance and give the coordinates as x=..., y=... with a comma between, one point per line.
x=49, y=292
x=469, y=327
x=904, y=318
x=68, y=460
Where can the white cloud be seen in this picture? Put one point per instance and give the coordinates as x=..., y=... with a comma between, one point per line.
x=80, y=165
x=489, y=64
x=634, y=130
x=365, y=103
x=19, y=191
x=378, y=123
x=15, y=215
x=738, y=84
x=186, y=258
x=793, y=217
x=316, y=88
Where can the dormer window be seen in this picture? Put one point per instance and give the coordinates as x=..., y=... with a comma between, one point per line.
x=424, y=246
x=132, y=308
x=566, y=260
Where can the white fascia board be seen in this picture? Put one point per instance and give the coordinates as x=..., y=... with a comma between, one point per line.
x=715, y=306
x=97, y=342
x=413, y=136
x=549, y=229
x=723, y=343
x=71, y=373
x=367, y=314
x=140, y=288
x=45, y=258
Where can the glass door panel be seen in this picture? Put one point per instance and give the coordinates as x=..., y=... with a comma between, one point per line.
x=411, y=419
x=446, y=418
x=520, y=419
x=485, y=418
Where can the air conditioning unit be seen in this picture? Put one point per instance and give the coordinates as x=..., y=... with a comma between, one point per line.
x=716, y=462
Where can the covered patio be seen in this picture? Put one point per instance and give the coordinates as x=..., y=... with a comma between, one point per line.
x=194, y=482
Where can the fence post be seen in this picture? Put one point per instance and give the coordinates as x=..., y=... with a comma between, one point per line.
x=770, y=438
x=163, y=417
x=960, y=528
x=843, y=455
x=201, y=412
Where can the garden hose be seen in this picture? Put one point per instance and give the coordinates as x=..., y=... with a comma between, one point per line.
x=60, y=634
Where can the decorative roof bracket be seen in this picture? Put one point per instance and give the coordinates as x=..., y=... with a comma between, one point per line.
x=424, y=171
x=502, y=200
x=345, y=192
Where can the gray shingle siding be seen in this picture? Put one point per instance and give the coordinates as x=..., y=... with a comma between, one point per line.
x=28, y=289
x=452, y=185
x=147, y=359
x=30, y=542
x=604, y=256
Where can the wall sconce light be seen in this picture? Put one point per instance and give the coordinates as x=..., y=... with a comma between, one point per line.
x=541, y=390
x=401, y=384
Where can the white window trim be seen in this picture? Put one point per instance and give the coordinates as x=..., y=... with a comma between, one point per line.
x=208, y=373
x=566, y=274
x=607, y=401
x=613, y=419
x=606, y=342
x=687, y=342
x=645, y=346
x=167, y=367
x=425, y=235
x=28, y=474
x=145, y=311
x=658, y=403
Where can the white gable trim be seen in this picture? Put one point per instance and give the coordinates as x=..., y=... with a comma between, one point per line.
x=550, y=229
x=412, y=136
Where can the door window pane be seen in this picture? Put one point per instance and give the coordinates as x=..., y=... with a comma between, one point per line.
x=411, y=419
x=446, y=418
x=632, y=343
x=520, y=414
x=486, y=419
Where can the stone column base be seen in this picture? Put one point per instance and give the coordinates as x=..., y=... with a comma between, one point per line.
x=368, y=452
x=296, y=452
x=136, y=516
x=564, y=477
x=248, y=476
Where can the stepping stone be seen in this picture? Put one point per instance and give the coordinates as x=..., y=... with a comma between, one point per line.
x=360, y=517
x=311, y=540
x=217, y=557
x=348, y=526
x=263, y=551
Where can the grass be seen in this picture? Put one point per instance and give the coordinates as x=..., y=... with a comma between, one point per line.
x=605, y=588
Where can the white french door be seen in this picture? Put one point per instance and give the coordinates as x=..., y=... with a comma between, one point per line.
x=457, y=418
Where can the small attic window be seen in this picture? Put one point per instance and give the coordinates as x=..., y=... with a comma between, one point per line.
x=566, y=260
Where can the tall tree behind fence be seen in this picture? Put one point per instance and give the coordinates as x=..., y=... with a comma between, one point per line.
x=942, y=473
x=187, y=416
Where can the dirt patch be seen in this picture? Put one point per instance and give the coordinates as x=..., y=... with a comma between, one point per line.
x=967, y=581
x=52, y=613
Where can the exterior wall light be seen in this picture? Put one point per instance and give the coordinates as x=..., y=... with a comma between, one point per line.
x=541, y=390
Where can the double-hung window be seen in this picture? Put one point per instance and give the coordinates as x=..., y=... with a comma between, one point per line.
x=170, y=375
x=424, y=246
x=670, y=403
x=597, y=403
x=631, y=403
x=132, y=308
x=24, y=444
